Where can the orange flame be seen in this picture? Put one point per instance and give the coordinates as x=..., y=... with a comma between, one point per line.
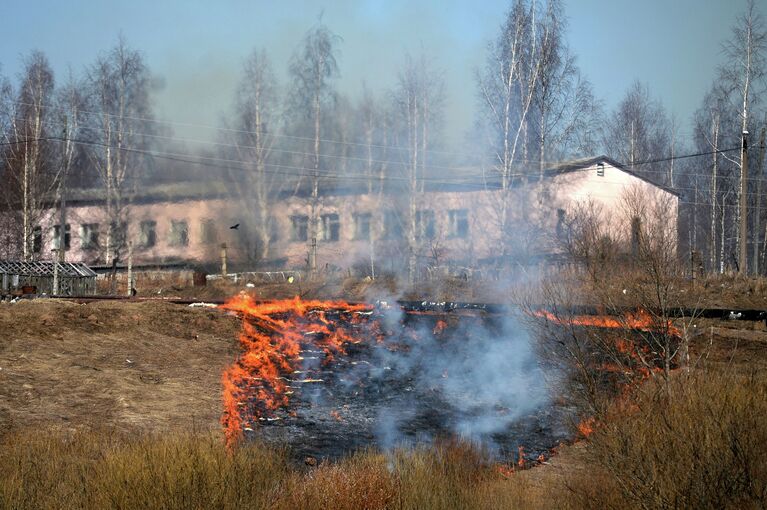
x=586, y=427
x=640, y=320
x=273, y=335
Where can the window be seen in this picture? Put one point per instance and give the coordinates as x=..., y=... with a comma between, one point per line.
x=179, y=233
x=392, y=225
x=330, y=227
x=561, y=227
x=208, y=232
x=424, y=224
x=119, y=234
x=274, y=229
x=458, y=223
x=600, y=169
x=57, y=237
x=37, y=240
x=362, y=226
x=148, y=234
x=299, y=228
x=89, y=236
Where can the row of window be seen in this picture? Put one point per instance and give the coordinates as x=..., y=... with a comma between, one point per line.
x=329, y=230
x=178, y=235
x=329, y=227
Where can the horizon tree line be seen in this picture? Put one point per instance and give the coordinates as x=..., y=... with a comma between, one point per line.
x=534, y=108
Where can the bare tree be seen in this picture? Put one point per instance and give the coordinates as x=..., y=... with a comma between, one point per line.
x=508, y=87
x=30, y=177
x=70, y=103
x=257, y=122
x=746, y=53
x=120, y=90
x=312, y=69
x=711, y=136
x=535, y=106
x=566, y=112
x=419, y=98
x=10, y=234
x=639, y=130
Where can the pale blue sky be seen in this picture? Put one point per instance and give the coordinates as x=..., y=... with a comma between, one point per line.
x=196, y=48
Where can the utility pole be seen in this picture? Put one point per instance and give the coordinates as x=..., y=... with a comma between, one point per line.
x=758, y=204
x=224, y=272
x=63, y=200
x=55, y=258
x=130, y=268
x=743, y=227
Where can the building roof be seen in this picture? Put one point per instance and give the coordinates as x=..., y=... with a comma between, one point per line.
x=45, y=268
x=582, y=164
x=475, y=179
x=466, y=179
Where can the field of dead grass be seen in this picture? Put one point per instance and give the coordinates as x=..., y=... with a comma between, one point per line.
x=145, y=366
x=116, y=405
x=703, y=445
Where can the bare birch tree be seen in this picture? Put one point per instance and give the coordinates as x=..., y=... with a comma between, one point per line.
x=120, y=90
x=312, y=71
x=30, y=177
x=419, y=98
x=711, y=137
x=744, y=73
x=565, y=111
x=257, y=121
x=639, y=130
x=70, y=103
x=507, y=88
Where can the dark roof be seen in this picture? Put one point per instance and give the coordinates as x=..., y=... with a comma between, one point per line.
x=465, y=179
x=45, y=268
x=581, y=164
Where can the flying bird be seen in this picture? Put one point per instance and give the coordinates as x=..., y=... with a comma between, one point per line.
x=235, y=226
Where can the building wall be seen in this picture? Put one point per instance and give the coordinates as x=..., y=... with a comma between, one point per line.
x=532, y=222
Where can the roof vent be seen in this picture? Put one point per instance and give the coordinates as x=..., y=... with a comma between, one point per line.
x=600, y=169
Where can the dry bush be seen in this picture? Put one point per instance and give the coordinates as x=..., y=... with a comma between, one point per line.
x=702, y=445
x=361, y=481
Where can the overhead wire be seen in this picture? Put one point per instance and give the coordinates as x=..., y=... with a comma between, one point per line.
x=430, y=166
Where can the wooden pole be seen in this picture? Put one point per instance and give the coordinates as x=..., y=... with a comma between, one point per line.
x=223, y=261
x=55, y=289
x=130, y=268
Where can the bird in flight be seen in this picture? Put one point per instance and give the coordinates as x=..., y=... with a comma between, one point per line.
x=235, y=226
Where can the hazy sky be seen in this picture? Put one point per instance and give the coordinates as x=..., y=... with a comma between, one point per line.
x=196, y=48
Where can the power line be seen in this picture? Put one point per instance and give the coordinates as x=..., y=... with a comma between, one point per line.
x=470, y=182
x=323, y=140
x=233, y=130
x=430, y=166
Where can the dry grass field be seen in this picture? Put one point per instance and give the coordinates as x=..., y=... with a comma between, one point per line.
x=116, y=405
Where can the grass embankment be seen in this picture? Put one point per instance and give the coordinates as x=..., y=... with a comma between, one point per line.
x=703, y=444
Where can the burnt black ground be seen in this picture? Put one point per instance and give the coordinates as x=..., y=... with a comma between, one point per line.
x=363, y=400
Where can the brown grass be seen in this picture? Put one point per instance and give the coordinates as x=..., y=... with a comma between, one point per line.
x=703, y=445
x=700, y=443
x=107, y=470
